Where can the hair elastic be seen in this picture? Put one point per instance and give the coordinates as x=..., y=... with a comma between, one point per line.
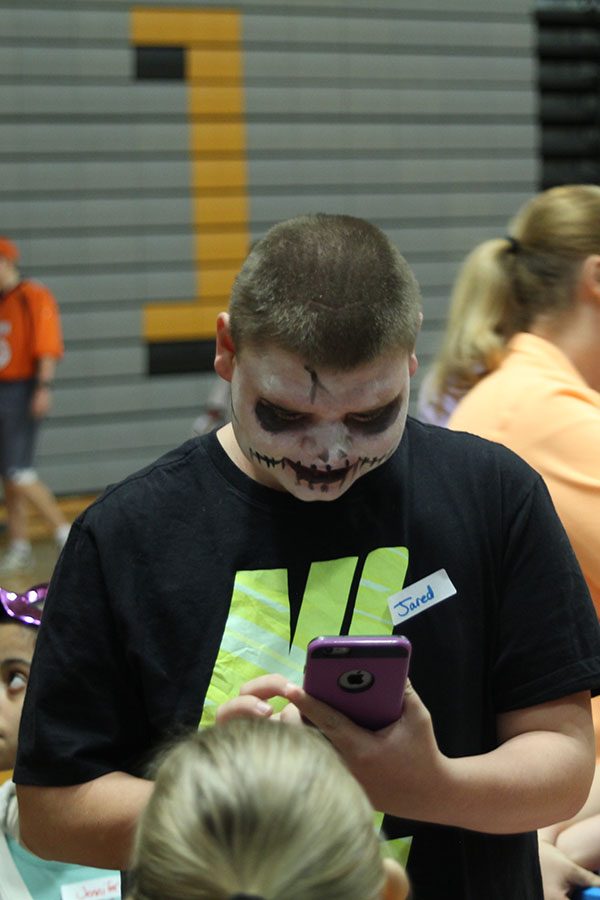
x=514, y=243
x=246, y=897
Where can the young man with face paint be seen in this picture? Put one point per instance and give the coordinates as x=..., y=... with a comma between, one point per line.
x=312, y=435
x=315, y=511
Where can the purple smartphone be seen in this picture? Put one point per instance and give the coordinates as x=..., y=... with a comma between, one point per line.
x=361, y=676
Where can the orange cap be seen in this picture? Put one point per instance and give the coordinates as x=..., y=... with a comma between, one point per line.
x=8, y=250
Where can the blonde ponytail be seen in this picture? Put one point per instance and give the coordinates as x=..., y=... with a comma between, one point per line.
x=484, y=314
x=507, y=284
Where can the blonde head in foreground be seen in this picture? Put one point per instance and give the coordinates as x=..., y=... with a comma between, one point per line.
x=259, y=809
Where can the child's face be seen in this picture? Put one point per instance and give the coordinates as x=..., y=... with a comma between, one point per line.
x=16, y=650
x=313, y=433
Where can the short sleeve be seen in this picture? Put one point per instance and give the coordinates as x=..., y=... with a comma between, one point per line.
x=47, y=340
x=548, y=637
x=83, y=713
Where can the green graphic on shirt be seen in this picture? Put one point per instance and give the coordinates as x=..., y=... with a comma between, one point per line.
x=257, y=636
x=383, y=575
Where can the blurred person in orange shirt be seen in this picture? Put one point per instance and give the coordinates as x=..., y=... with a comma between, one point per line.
x=30, y=346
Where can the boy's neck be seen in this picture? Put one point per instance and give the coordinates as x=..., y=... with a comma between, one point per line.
x=228, y=441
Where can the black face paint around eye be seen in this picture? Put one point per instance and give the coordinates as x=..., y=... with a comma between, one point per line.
x=378, y=422
x=274, y=419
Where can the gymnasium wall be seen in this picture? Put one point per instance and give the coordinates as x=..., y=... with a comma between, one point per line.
x=143, y=146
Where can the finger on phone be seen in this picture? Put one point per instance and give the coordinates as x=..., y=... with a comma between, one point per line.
x=265, y=686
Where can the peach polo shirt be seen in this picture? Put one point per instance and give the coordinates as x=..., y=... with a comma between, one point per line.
x=537, y=404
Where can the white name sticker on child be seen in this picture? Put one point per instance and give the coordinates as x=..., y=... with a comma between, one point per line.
x=421, y=595
x=104, y=887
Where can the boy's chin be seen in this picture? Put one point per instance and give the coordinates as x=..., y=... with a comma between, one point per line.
x=321, y=493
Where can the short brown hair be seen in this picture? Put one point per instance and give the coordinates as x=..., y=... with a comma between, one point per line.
x=332, y=289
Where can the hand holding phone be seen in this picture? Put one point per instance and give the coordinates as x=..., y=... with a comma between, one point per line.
x=363, y=677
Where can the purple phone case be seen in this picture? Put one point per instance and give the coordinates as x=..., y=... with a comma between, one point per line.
x=361, y=676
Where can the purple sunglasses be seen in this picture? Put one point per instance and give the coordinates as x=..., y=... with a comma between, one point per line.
x=26, y=607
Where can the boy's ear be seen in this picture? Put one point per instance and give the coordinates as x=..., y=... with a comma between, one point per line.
x=225, y=351
x=396, y=882
x=413, y=362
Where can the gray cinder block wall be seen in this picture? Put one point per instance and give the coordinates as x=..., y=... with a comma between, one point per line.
x=418, y=116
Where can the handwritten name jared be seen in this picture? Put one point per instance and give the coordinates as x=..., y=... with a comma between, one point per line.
x=410, y=604
x=420, y=596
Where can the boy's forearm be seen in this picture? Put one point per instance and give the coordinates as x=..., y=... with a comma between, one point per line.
x=531, y=781
x=90, y=824
x=540, y=773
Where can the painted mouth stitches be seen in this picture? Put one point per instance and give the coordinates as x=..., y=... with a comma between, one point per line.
x=313, y=475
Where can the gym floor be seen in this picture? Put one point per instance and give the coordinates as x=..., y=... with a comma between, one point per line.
x=44, y=549
x=45, y=555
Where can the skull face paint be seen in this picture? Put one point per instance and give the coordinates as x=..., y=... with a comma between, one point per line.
x=314, y=434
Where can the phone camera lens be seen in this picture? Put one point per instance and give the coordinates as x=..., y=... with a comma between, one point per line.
x=356, y=680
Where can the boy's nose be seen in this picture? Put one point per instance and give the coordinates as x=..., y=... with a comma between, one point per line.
x=337, y=455
x=329, y=444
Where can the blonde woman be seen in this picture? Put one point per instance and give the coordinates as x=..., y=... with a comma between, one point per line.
x=259, y=809
x=521, y=354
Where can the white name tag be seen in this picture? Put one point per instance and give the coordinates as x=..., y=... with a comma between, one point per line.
x=421, y=595
x=106, y=886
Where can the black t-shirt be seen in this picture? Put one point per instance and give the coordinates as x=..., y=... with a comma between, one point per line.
x=144, y=607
